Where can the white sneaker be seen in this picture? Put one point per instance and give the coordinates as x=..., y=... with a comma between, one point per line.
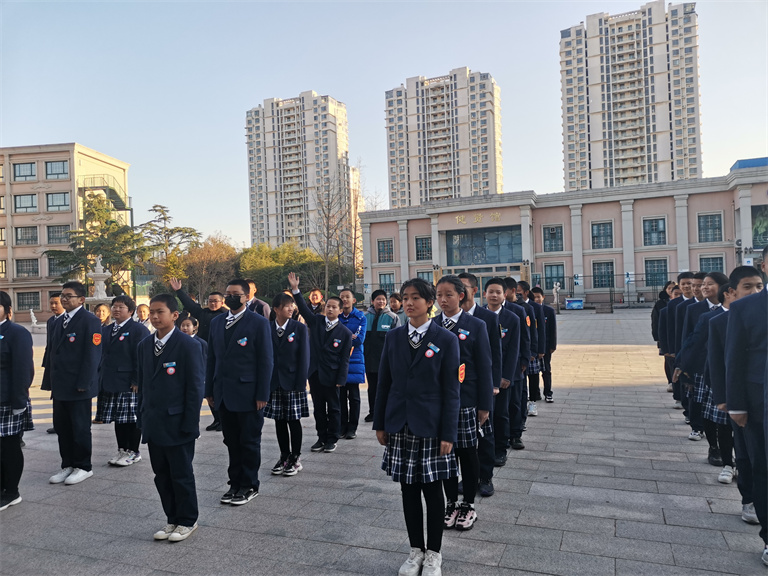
x=59, y=477
x=182, y=533
x=127, y=459
x=432, y=564
x=532, y=409
x=165, y=533
x=135, y=457
x=77, y=476
x=726, y=476
x=669, y=388
x=748, y=514
x=412, y=565
x=695, y=436
x=678, y=405
x=120, y=454
x=764, y=557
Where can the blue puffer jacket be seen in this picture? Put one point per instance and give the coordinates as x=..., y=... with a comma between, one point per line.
x=356, y=324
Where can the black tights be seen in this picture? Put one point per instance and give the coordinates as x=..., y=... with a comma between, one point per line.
x=128, y=436
x=290, y=443
x=414, y=514
x=11, y=464
x=470, y=471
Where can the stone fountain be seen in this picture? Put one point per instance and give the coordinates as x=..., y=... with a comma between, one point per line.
x=99, y=275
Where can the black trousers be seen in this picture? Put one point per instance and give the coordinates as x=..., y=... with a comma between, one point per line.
x=72, y=421
x=500, y=422
x=349, y=398
x=128, y=436
x=414, y=514
x=546, y=375
x=326, y=410
x=175, y=481
x=743, y=464
x=534, y=392
x=486, y=451
x=11, y=464
x=373, y=386
x=242, y=436
x=755, y=436
x=516, y=407
x=669, y=370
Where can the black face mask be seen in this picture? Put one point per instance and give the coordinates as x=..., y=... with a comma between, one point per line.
x=233, y=302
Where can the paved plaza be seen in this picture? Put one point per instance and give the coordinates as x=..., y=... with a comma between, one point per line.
x=608, y=485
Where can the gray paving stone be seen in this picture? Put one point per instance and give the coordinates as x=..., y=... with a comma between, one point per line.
x=656, y=475
x=671, y=534
x=630, y=549
x=550, y=561
x=724, y=561
x=623, y=512
x=633, y=568
x=615, y=483
x=529, y=536
x=359, y=536
x=567, y=522
x=711, y=521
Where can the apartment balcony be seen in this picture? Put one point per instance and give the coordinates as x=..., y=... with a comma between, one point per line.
x=621, y=88
x=109, y=185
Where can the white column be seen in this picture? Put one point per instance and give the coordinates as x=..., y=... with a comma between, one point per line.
x=681, y=221
x=367, y=255
x=628, y=235
x=525, y=232
x=405, y=272
x=745, y=213
x=436, y=251
x=577, y=247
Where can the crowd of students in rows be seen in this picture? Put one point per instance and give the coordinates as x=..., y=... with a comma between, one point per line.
x=711, y=330
x=461, y=401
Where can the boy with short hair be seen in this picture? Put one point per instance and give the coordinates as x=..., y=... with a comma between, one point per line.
x=550, y=329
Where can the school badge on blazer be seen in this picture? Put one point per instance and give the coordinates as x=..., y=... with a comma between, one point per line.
x=431, y=350
x=336, y=343
x=96, y=339
x=170, y=368
x=462, y=372
x=291, y=336
x=528, y=321
x=123, y=335
x=243, y=341
x=503, y=331
x=463, y=334
x=71, y=337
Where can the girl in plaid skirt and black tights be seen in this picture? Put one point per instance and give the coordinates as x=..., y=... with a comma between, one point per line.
x=416, y=418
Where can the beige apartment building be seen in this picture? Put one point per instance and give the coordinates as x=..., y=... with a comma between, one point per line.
x=625, y=240
x=41, y=201
x=299, y=172
x=444, y=138
x=630, y=98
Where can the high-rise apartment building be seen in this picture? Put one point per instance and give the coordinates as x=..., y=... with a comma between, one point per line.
x=299, y=173
x=630, y=98
x=444, y=138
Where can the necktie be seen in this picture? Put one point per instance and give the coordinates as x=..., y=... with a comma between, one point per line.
x=448, y=323
x=280, y=332
x=415, y=339
x=230, y=321
x=158, y=347
x=115, y=329
x=66, y=320
x=329, y=326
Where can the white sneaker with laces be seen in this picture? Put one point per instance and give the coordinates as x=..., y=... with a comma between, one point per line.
x=748, y=514
x=60, y=476
x=129, y=457
x=764, y=557
x=678, y=405
x=182, y=533
x=120, y=454
x=532, y=409
x=669, y=388
x=726, y=476
x=412, y=565
x=432, y=564
x=77, y=476
x=695, y=436
x=165, y=533
x=135, y=457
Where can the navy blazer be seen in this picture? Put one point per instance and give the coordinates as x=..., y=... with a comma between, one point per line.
x=328, y=351
x=422, y=393
x=475, y=356
x=693, y=356
x=541, y=327
x=680, y=312
x=494, y=339
x=716, y=357
x=119, y=368
x=691, y=315
x=509, y=327
x=17, y=368
x=671, y=309
x=170, y=390
x=239, y=372
x=46, y=383
x=525, y=338
x=550, y=323
x=530, y=321
x=74, y=357
x=663, y=339
x=204, y=349
x=746, y=350
x=291, y=354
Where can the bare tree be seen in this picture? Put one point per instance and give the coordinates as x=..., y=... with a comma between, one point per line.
x=210, y=265
x=331, y=223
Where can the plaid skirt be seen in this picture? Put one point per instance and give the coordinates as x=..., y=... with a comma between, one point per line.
x=287, y=405
x=118, y=407
x=11, y=424
x=699, y=388
x=28, y=423
x=711, y=412
x=411, y=459
x=534, y=366
x=467, y=436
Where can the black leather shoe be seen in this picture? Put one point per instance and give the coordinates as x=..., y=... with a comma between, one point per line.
x=351, y=435
x=51, y=430
x=517, y=444
x=500, y=461
x=369, y=418
x=485, y=488
x=714, y=457
x=213, y=426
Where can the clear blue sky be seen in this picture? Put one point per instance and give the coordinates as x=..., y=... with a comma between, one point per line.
x=165, y=86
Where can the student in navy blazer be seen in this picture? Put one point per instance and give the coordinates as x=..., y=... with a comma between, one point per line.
x=237, y=380
x=550, y=324
x=416, y=414
x=16, y=374
x=519, y=392
x=170, y=391
x=74, y=363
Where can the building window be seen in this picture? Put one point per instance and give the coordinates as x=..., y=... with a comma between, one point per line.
x=387, y=282
x=25, y=203
x=602, y=274
x=554, y=273
x=710, y=228
x=24, y=172
x=711, y=264
x=500, y=245
x=55, y=267
x=27, y=300
x=553, y=238
x=602, y=235
x=656, y=273
x=427, y=275
x=58, y=234
x=2, y=236
x=57, y=170
x=654, y=232
x=26, y=235
x=424, y=248
x=2, y=204
x=386, y=250
x=27, y=268
x=3, y=273
x=57, y=202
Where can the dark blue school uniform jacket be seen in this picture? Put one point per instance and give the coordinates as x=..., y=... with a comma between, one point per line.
x=420, y=390
x=170, y=390
x=680, y=322
x=239, y=366
x=494, y=340
x=716, y=357
x=541, y=327
x=691, y=317
x=550, y=324
x=671, y=309
x=663, y=339
x=291, y=354
x=509, y=328
x=746, y=350
x=119, y=368
x=475, y=356
x=46, y=383
x=17, y=368
x=530, y=321
x=74, y=357
x=693, y=356
x=328, y=351
x=525, y=338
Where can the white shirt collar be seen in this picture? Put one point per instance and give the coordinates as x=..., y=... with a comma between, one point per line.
x=117, y=326
x=75, y=311
x=329, y=323
x=283, y=326
x=421, y=329
x=497, y=312
x=3, y=322
x=231, y=315
x=456, y=317
x=471, y=311
x=164, y=339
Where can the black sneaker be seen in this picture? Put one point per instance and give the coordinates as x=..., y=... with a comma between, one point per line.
x=368, y=418
x=8, y=500
x=227, y=498
x=279, y=465
x=318, y=446
x=213, y=426
x=500, y=460
x=51, y=431
x=351, y=435
x=329, y=447
x=244, y=495
x=548, y=399
x=714, y=457
x=485, y=488
x=517, y=444
x=292, y=466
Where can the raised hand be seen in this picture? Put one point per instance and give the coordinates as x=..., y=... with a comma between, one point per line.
x=175, y=283
x=293, y=280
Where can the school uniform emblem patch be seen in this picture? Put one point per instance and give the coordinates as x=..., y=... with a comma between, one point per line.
x=291, y=336
x=528, y=321
x=170, y=368
x=71, y=337
x=462, y=373
x=243, y=341
x=463, y=334
x=96, y=339
x=336, y=343
x=429, y=353
x=504, y=332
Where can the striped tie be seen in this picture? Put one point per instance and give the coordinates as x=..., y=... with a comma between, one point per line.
x=115, y=329
x=230, y=321
x=329, y=326
x=158, y=347
x=280, y=332
x=448, y=323
x=415, y=339
x=66, y=320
